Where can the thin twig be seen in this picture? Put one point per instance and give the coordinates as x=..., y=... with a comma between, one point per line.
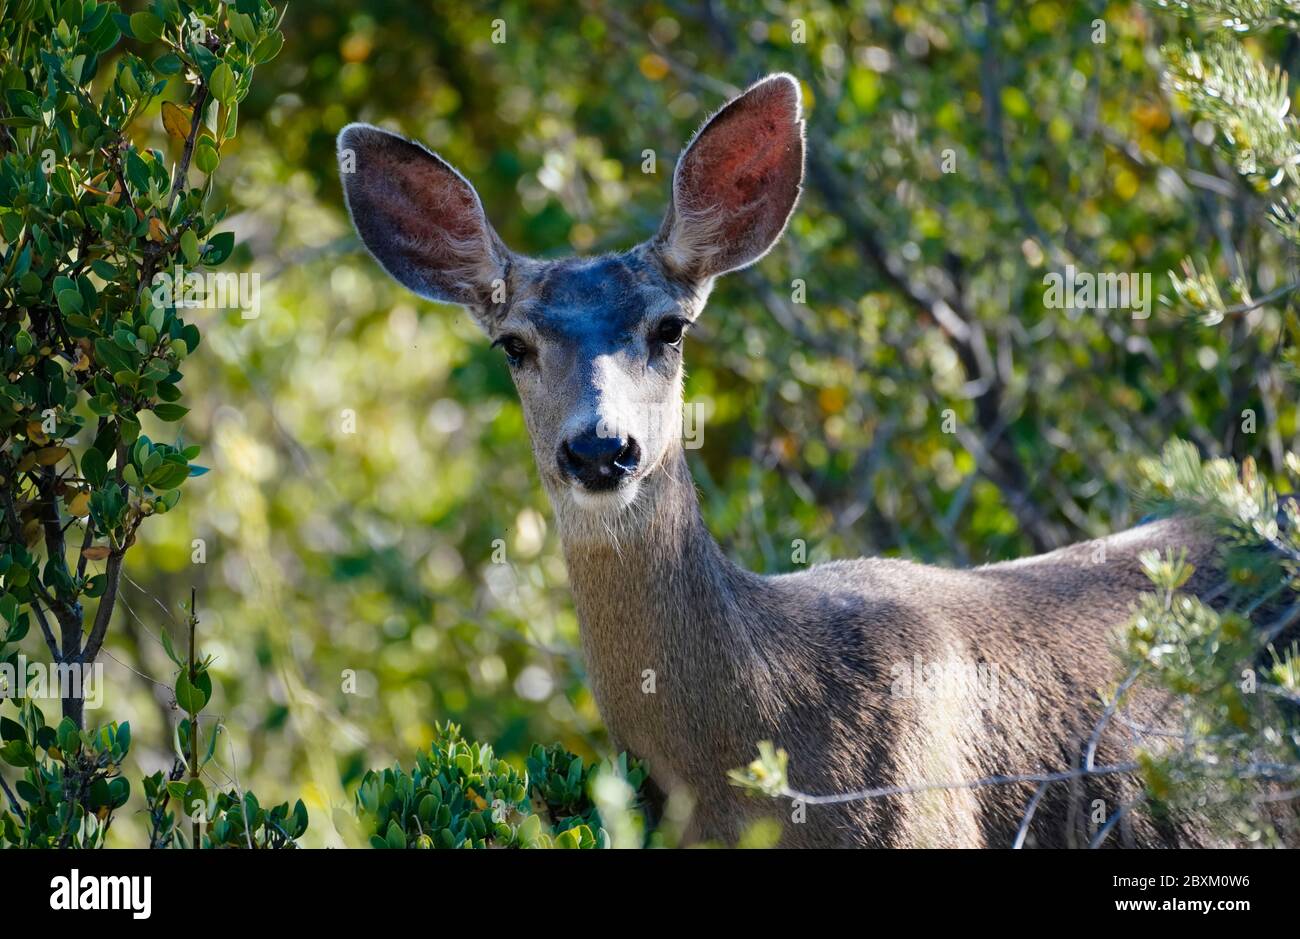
x=1102, y=832
x=194, y=724
x=1281, y=623
x=13, y=800
x=1030, y=809
x=45, y=629
x=1262, y=301
x=243, y=809
x=1091, y=752
x=886, y=791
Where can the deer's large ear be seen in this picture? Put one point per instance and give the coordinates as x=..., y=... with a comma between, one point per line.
x=420, y=219
x=737, y=183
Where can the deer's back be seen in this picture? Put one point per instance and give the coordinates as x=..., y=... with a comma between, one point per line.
x=889, y=673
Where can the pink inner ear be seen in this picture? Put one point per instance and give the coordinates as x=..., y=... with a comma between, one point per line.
x=433, y=210
x=737, y=183
x=420, y=218
x=751, y=147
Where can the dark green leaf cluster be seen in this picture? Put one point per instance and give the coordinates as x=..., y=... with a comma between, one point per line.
x=100, y=242
x=460, y=796
x=71, y=783
x=234, y=822
x=97, y=239
x=562, y=784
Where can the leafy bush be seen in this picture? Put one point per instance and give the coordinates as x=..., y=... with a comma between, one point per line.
x=72, y=782
x=460, y=796
x=232, y=822
x=217, y=819
x=1232, y=666
x=94, y=337
x=1236, y=679
x=91, y=342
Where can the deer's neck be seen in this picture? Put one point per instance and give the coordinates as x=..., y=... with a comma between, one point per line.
x=666, y=619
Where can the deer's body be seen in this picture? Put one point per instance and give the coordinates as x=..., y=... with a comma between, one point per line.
x=693, y=660
x=813, y=660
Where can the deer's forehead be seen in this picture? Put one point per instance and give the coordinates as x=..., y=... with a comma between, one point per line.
x=595, y=300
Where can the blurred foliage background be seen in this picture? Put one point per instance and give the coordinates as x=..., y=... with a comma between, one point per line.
x=367, y=449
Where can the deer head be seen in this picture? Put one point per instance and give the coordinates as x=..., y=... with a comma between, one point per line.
x=594, y=345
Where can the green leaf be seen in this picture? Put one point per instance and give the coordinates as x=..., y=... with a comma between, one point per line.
x=69, y=737
x=195, y=797
x=170, y=412
x=18, y=753
x=146, y=27
x=168, y=64
x=570, y=839
x=219, y=247
x=100, y=794
x=190, y=245
x=268, y=48
x=169, y=648
x=222, y=83
x=111, y=357
x=126, y=78
x=299, y=819
x=192, y=696
x=427, y=807
x=168, y=476
x=242, y=26
x=69, y=302
x=531, y=829
x=120, y=792
x=94, y=468
x=29, y=793
x=207, y=160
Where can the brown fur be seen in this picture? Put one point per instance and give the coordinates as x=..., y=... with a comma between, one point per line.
x=808, y=660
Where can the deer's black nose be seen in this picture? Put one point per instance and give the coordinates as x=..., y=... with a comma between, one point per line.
x=599, y=461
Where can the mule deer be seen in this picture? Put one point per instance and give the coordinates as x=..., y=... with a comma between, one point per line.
x=811, y=660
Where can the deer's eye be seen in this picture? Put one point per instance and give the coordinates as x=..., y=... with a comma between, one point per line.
x=670, y=331
x=514, y=347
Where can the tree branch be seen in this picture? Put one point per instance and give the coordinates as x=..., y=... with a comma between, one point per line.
x=107, y=601
x=1030, y=809
x=13, y=800
x=45, y=629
